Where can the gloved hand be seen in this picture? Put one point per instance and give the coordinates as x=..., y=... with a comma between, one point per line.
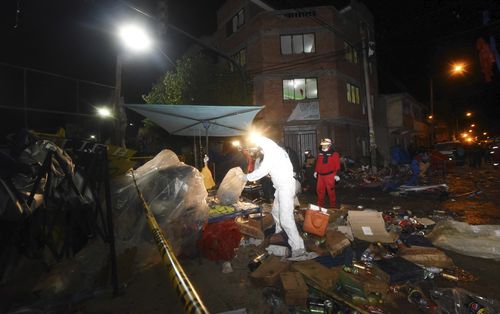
x=337, y=178
x=205, y=159
x=315, y=174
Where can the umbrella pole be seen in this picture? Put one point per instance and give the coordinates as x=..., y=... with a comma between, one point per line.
x=206, y=141
x=195, y=153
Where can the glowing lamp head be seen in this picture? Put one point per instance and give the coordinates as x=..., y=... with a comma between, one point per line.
x=134, y=38
x=104, y=112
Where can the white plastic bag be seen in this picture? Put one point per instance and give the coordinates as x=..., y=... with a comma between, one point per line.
x=230, y=189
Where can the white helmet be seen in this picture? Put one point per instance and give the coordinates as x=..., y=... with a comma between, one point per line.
x=326, y=141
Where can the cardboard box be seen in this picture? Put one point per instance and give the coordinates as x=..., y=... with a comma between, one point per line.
x=336, y=242
x=268, y=273
x=368, y=225
x=313, y=271
x=294, y=288
x=426, y=256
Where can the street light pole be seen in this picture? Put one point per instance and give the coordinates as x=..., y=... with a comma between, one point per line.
x=120, y=118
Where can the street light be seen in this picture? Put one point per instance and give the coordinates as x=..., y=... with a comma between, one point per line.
x=135, y=39
x=458, y=68
x=104, y=112
x=468, y=114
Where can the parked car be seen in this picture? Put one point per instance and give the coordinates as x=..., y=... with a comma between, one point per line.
x=453, y=150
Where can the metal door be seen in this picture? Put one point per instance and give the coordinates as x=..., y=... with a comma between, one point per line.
x=300, y=141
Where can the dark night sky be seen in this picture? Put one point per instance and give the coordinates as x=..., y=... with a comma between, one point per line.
x=415, y=40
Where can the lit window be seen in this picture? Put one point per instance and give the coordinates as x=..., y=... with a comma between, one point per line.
x=352, y=93
x=300, y=88
x=297, y=44
x=236, y=22
x=240, y=57
x=351, y=54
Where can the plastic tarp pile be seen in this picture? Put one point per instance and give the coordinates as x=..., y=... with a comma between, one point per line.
x=472, y=240
x=177, y=197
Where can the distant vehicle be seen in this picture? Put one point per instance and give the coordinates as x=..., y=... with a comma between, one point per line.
x=453, y=150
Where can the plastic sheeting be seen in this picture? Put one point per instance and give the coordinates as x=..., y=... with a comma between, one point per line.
x=472, y=240
x=230, y=189
x=177, y=197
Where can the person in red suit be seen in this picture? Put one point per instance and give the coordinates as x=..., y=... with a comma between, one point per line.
x=327, y=165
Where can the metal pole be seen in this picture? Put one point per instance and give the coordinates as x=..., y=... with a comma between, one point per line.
x=191, y=300
x=120, y=120
x=109, y=218
x=371, y=131
x=431, y=92
x=25, y=99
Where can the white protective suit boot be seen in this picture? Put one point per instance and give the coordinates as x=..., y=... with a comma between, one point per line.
x=283, y=211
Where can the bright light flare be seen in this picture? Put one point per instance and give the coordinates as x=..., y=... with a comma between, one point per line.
x=464, y=135
x=255, y=137
x=468, y=114
x=469, y=140
x=485, y=133
x=92, y=136
x=458, y=68
x=236, y=143
x=430, y=117
x=470, y=131
x=472, y=125
x=135, y=37
x=104, y=112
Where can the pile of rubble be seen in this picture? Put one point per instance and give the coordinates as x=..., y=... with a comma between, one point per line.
x=368, y=261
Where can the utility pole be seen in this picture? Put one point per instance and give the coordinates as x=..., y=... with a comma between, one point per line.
x=371, y=131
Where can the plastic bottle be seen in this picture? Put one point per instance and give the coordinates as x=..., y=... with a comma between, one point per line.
x=255, y=263
x=475, y=308
x=351, y=270
x=316, y=305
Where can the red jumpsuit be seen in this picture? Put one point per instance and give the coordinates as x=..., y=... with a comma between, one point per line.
x=327, y=165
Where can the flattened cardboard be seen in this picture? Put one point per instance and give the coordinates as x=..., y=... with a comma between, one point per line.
x=368, y=225
x=294, y=288
x=426, y=256
x=317, y=273
x=268, y=272
x=336, y=242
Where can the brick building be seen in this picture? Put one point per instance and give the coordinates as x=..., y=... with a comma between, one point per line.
x=306, y=66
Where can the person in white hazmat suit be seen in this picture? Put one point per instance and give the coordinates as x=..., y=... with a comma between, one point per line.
x=277, y=164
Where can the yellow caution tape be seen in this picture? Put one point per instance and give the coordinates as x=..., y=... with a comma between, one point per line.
x=191, y=300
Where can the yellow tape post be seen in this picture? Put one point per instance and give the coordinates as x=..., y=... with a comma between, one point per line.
x=191, y=300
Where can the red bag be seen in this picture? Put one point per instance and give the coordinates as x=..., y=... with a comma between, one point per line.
x=316, y=222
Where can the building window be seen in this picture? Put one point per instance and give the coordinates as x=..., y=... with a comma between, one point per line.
x=351, y=54
x=297, y=44
x=240, y=57
x=300, y=88
x=236, y=22
x=352, y=93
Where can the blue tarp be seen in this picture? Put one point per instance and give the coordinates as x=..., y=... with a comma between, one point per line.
x=194, y=120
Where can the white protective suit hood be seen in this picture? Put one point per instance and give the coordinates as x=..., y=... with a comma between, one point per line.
x=276, y=163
